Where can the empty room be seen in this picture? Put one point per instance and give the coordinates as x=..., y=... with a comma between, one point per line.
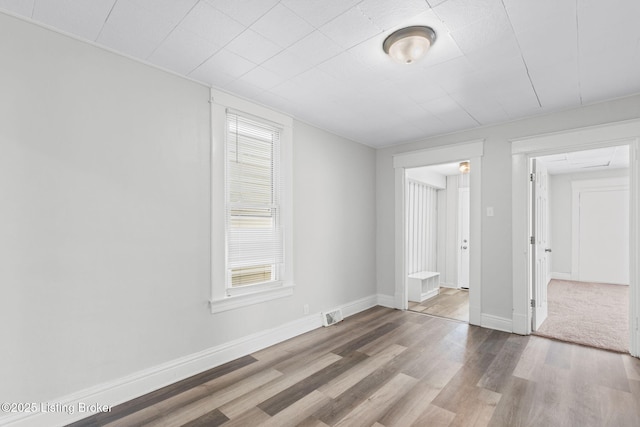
x=215, y=212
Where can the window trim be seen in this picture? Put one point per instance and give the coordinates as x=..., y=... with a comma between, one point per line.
x=225, y=298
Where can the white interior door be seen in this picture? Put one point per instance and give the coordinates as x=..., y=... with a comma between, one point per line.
x=604, y=236
x=540, y=250
x=463, y=238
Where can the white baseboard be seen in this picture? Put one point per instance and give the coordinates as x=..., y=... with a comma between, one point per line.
x=357, y=306
x=448, y=285
x=388, y=301
x=115, y=392
x=496, y=322
x=561, y=276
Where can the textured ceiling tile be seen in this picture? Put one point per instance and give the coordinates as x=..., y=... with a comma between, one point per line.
x=183, y=51
x=211, y=24
x=457, y=14
x=210, y=74
x=387, y=14
x=243, y=89
x=271, y=26
x=253, y=46
x=170, y=10
x=20, y=7
x=318, y=13
x=315, y=48
x=492, y=29
x=350, y=28
x=557, y=48
x=286, y=64
x=262, y=78
x=127, y=42
x=546, y=16
x=228, y=63
x=495, y=59
x=84, y=19
x=130, y=21
x=344, y=66
x=494, y=54
x=244, y=11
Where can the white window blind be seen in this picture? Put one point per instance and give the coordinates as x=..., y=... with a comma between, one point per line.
x=255, y=247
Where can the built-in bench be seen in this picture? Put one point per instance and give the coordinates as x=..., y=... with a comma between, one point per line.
x=423, y=285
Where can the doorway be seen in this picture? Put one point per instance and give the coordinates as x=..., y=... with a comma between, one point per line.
x=522, y=150
x=580, y=253
x=433, y=156
x=438, y=239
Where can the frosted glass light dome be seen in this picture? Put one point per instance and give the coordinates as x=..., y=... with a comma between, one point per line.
x=409, y=44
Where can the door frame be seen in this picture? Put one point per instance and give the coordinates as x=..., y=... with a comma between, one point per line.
x=522, y=150
x=461, y=222
x=472, y=151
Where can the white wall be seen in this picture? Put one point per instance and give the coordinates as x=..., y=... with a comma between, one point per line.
x=496, y=298
x=105, y=213
x=560, y=215
x=434, y=179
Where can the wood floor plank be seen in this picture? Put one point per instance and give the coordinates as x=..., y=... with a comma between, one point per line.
x=398, y=368
x=516, y=407
x=244, y=403
x=500, y=370
x=532, y=359
x=348, y=379
x=463, y=383
x=252, y=417
x=364, y=339
x=612, y=372
x=407, y=330
x=618, y=408
x=297, y=391
x=297, y=411
x=177, y=416
x=449, y=303
x=213, y=418
x=159, y=395
x=411, y=406
x=373, y=408
x=434, y=416
x=559, y=354
x=631, y=367
x=477, y=411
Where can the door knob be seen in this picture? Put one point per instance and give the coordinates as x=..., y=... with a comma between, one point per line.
x=547, y=250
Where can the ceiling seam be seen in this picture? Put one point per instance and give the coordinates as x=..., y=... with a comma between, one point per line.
x=524, y=62
x=578, y=54
x=248, y=27
x=106, y=19
x=172, y=30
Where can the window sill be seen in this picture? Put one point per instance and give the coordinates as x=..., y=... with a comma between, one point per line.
x=243, y=300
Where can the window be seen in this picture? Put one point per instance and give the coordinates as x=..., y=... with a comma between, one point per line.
x=255, y=246
x=251, y=203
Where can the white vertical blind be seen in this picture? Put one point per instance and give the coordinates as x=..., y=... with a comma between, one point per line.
x=422, y=227
x=255, y=249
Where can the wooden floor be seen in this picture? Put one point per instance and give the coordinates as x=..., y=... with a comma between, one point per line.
x=387, y=367
x=450, y=303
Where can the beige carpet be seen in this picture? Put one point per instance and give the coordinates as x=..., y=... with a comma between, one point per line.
x=592, y=314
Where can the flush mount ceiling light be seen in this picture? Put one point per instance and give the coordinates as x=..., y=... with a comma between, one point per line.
x=464, y=167
x=409, y=44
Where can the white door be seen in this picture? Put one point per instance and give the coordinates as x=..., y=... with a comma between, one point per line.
x=463, y=238
x=604, y=236
x=540, y=249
